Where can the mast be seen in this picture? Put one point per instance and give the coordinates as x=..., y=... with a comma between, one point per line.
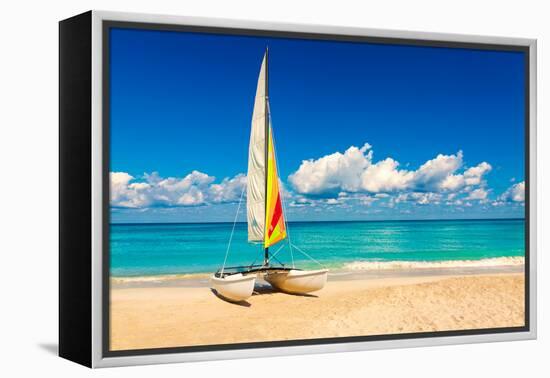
x=266, y=249
x=265, y=216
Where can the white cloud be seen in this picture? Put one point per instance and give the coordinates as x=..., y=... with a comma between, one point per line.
x=434, y=172
x=335, y=181
x=515, y=193
x=420, y=198
x=457, y=202
x=427, y=198
x=477, y=194
x=473, y=176
x=196, y=188
x=451, y=196
x=193, y=179
x=228, y=190
x=193, y=197
x=455, y=181
x=452, y=182
x=367, y=200
x=385, y=177
x=335, y=172
x=355, y=171
x=300, y=201
x=126, y=194
x=119, y=184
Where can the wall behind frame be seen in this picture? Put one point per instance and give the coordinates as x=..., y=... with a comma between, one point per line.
x=29, y=156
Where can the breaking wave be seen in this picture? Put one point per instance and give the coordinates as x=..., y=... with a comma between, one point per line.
x=395, y=265
x=159, y=278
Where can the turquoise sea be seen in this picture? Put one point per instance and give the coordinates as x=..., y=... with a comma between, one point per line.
x=187, y=248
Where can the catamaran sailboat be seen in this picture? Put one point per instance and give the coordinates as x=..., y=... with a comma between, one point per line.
x=265, y=216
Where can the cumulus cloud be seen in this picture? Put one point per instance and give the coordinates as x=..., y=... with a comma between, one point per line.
x=473, y=175
x=301, y=202
x=477, y=194
x=420, y=198
x=332, y=173
x=341, y=180
x=355, y=171
x=195, y=189
x=228, y=190
x=452, y=182
x=385, y=176
x=126, y=194
x=432, y=174
x=515, y=193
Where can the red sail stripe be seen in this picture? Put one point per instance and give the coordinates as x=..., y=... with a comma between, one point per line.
x=277, y=213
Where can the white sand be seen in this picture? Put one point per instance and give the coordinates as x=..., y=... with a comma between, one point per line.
x=170, y=316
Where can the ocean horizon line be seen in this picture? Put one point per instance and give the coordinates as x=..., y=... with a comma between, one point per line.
x=324, y=221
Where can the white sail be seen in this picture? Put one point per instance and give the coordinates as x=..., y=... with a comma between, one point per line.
x=256, y=178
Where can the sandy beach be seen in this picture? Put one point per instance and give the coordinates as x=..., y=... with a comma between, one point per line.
x=184, y=312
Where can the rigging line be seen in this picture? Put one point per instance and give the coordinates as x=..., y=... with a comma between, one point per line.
x=258, y=254
x=279, y=261
x=277, y=251
x=287, y=230
x=299, y=249
x=233, y=230
x=280, y=183
x=272, y=255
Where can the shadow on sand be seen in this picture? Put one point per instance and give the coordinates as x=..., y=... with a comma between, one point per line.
x=241, y=303
x=260, y=289
x=266, y=289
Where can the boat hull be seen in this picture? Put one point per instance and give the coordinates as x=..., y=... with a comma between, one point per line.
x=234, y=288
x=298, y=281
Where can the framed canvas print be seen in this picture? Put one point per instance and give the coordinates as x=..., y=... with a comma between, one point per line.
x=235, y=189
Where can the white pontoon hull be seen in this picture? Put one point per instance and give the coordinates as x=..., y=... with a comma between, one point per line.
x=298, y=281
x=234, y=288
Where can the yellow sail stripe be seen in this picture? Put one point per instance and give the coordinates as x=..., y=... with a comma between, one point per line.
x=275, y=229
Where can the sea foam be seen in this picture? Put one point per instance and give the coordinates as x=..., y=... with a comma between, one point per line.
x=158, y=278
x=395, y=265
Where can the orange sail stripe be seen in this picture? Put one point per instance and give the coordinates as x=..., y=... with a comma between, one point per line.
x=275, y=222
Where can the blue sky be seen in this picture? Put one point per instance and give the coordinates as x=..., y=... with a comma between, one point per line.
x=389, y=132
